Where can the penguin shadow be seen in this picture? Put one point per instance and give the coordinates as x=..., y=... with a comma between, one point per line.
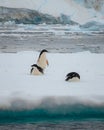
x=40, y=66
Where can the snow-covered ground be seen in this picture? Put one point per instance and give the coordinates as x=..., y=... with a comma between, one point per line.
x=19, y=89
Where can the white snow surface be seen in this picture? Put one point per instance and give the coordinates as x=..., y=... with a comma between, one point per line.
x=20, y=89
x=76, y=11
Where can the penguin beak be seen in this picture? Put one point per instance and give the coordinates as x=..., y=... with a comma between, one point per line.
x=47, y=62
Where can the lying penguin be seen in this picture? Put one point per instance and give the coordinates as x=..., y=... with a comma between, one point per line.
x=42, y=60
x=36, y=70
x=72, y=77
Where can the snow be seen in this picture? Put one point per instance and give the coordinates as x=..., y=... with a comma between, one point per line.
x=76, y=11
x=19, y=89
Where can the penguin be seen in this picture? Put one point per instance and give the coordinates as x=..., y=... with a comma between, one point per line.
x=42, y=60
x=72, y=77
x=36, y=70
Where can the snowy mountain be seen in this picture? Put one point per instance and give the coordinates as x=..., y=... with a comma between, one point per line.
x=77, y=11
x=27, y=16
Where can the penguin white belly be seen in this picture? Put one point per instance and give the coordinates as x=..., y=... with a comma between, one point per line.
x=35, y=71
x=42, y=62
x=74, y=79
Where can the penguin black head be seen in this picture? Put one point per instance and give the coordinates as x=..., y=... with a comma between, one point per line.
x=34, y=65
x=38, y=67
x=44, y=50
x=72, y=76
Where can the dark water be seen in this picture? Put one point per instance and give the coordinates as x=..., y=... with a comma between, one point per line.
x=52, y=43
x=71, y=125
x=15, y=38
x=54, y=118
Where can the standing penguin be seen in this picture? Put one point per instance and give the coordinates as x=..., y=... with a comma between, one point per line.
x=42, y=60
x=72, y=77
x=36, y=70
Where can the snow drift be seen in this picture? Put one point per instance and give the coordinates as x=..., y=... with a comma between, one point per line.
x=18, y=87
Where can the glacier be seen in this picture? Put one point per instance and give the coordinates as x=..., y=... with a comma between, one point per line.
x=15, y=16
x=51, y=11
x=27, y=16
